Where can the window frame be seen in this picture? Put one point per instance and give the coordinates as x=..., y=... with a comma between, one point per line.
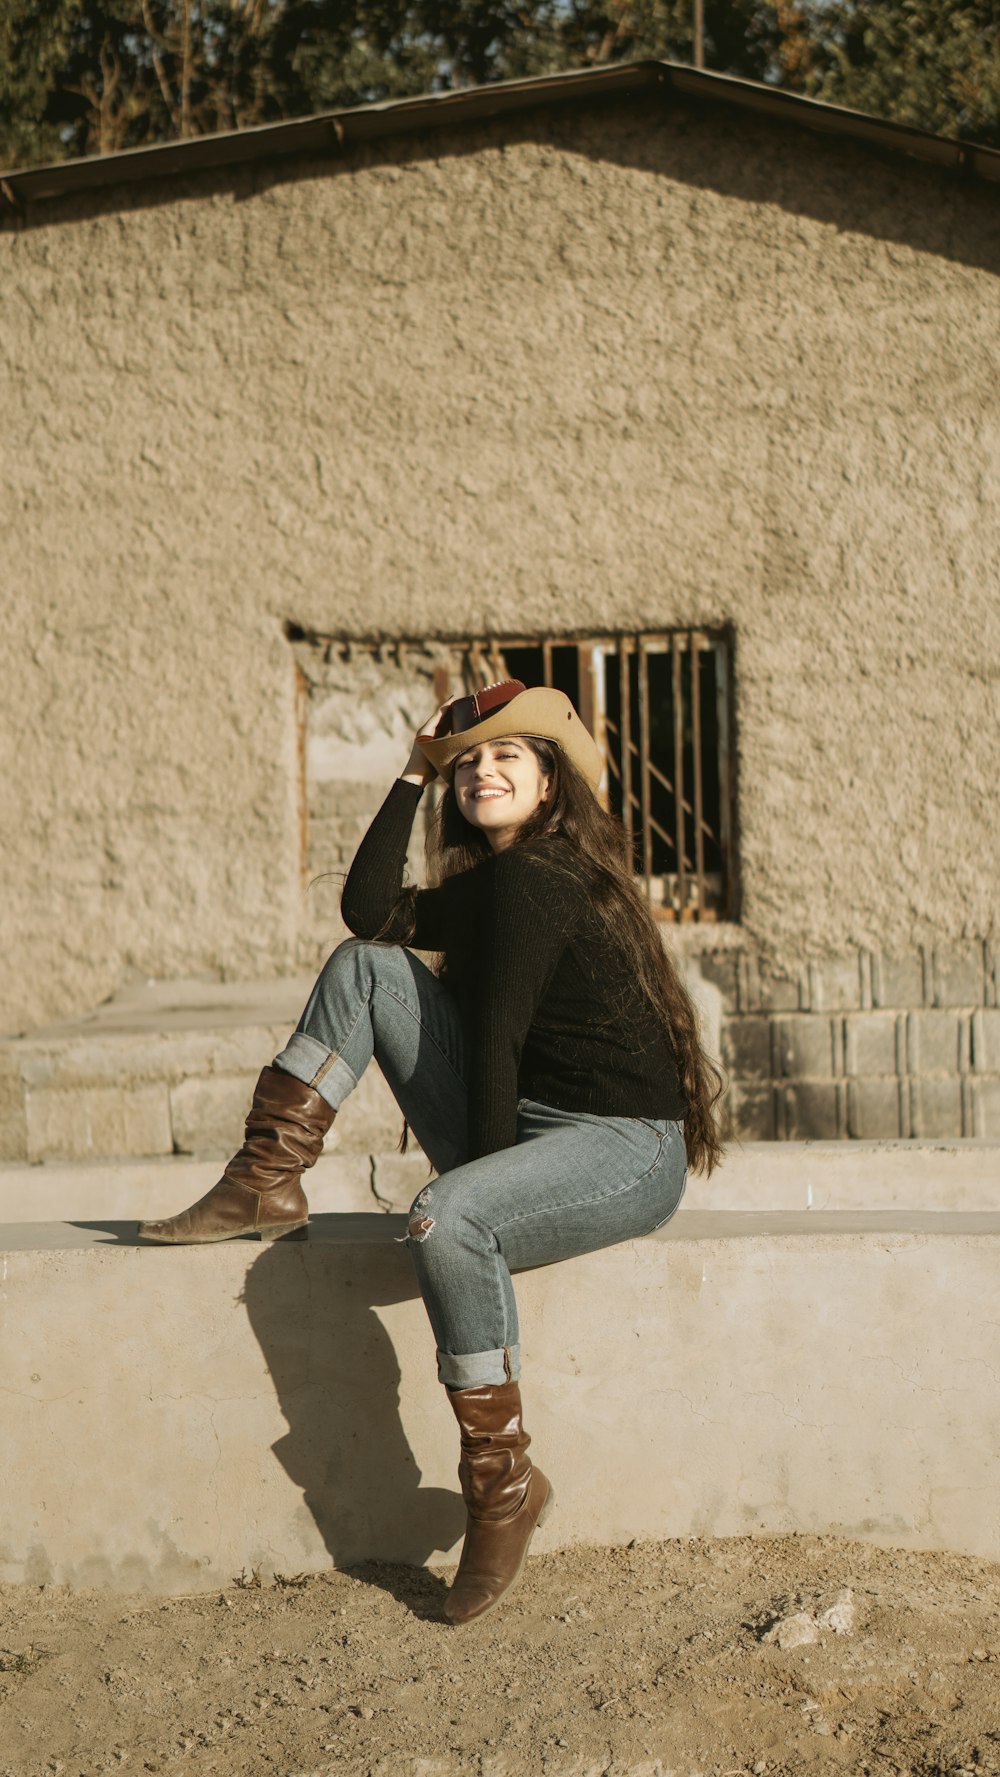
x=690, y=893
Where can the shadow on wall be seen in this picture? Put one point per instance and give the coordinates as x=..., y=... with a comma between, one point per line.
x=859, y=188
x=337, y=1380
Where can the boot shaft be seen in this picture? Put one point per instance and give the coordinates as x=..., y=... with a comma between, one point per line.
x=494, y=1470
x=285, y=1127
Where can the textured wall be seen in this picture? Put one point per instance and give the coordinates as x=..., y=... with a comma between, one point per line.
x=595, y=368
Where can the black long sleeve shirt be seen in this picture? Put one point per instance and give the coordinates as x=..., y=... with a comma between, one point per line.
x=552, y=1009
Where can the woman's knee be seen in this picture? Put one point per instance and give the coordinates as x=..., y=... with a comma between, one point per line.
x=437, y=1214
x=361, y=959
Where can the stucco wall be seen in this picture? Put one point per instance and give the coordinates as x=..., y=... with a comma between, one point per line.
x=600, y=368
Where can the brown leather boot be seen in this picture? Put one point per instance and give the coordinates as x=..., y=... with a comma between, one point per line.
x=260, y=1191
x=506, y=1498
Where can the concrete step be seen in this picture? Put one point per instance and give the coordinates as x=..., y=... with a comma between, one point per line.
x=785, y=1176
x=854, y=1175
x=135, y=1189
x=162, y=1069
x=237, y=1407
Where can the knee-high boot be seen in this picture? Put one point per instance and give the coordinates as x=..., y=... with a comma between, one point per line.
x=506, y=1498
x=260, y=1191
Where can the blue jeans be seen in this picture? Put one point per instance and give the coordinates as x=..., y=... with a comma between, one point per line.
x=573, y=1182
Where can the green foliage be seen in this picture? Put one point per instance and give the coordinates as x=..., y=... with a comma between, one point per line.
x=81, y=78
x=738, y=33
x=35, y=49
x=917, y=61
x=333, y=54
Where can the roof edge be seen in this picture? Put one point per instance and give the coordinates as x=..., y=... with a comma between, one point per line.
x=335, y=132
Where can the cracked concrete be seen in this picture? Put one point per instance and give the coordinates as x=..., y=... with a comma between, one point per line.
x=385, y=1204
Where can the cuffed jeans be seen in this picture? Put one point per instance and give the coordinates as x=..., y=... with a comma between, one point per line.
x=573, y=1182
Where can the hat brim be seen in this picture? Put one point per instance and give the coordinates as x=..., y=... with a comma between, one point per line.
x=539, y=711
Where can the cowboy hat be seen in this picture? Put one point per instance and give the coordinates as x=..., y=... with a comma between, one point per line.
x=507, y=709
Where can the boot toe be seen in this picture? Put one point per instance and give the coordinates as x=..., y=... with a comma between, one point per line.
x=228, y=1210
x=152, y=1231
x=464, y=1603
x=169, y=1231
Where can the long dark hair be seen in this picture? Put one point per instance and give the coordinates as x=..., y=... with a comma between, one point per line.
x=600, y=852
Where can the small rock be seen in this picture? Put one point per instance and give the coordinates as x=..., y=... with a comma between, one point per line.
x=795, y=1630
x=839, y=1616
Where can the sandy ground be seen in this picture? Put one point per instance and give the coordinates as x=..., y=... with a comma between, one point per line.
x=631, y=1662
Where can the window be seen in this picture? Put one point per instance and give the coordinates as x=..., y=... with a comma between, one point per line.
x=659, y=706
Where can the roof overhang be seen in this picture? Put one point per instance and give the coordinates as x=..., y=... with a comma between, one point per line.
x=336, y=132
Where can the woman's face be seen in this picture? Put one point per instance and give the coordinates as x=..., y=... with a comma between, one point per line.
x=498, y=786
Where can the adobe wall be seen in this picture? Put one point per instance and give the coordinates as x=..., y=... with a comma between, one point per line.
x=592, y=369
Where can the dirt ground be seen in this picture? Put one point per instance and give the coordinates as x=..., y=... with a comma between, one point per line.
x=639, y=1662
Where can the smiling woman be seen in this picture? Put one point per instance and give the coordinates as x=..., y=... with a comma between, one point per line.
x=498, y=786
x=551, y=1069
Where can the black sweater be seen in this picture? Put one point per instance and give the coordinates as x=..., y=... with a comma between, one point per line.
x=552, y=1008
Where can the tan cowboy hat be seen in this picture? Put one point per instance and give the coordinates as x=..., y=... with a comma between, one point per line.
x=509, y=708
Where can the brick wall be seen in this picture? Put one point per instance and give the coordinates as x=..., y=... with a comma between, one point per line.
x=863, y=1046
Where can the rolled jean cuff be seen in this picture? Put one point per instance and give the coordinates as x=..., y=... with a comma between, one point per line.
x=480, y=1369
x=317, y=1066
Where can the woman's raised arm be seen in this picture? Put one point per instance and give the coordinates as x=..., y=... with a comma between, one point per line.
x=374, y=904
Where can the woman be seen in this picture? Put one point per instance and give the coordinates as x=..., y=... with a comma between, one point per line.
x=546, y=1070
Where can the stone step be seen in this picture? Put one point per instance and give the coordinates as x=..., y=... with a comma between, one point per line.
x=233, y=1408
x=854, y=1175
x=783, y=1176
x=163, y=1069
x=137, y=1189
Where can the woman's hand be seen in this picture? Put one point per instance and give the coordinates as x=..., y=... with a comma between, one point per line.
x=418, y=768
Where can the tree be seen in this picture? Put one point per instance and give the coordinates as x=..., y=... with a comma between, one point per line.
x=738, y=33
x=78, y=77
x=328, y=54
x=916, y=61
x=35, y=48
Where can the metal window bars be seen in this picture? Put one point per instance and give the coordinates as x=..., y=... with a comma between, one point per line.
x=659, y=707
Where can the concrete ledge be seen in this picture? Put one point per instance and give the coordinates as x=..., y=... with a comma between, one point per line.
x=175, y=1415
x=845, y=1175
